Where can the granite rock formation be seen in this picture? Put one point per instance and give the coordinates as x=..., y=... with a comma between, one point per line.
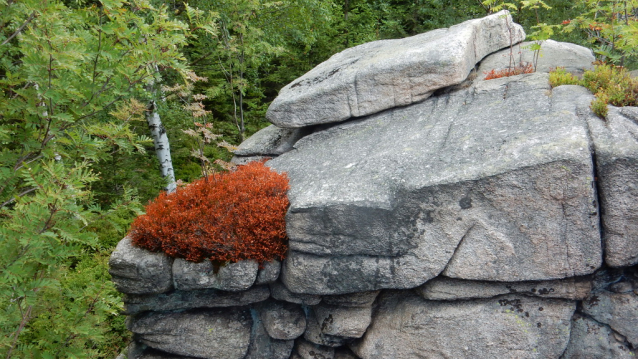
x=433, y=214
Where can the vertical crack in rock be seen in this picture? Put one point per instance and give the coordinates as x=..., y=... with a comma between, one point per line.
x=458, y=246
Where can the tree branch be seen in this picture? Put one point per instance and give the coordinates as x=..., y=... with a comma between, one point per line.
x=19, y=29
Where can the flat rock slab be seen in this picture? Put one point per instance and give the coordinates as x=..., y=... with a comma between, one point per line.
x=491, y=182
x=280, y=292
x=137, y=271
x=213, y=334
x=406, y=326
x=443, y=288
x=616, y=146
x=574, y=58
x=203, y=298
x=593, y=340
x=230, y=277
x=388, y=73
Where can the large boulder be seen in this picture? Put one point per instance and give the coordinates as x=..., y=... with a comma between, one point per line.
x=406, y=326
x=388, y=73
x=137, y=271
x=615, y=141
x=491, y=182
x=211, y=334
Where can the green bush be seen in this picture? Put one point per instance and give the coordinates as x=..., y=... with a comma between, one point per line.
x=612, y=85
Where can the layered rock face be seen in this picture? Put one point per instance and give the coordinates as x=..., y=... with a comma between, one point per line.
x=442, y=216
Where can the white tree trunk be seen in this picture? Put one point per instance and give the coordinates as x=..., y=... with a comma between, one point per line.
x=162, y=147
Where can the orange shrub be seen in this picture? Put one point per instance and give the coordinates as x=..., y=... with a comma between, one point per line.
x=226, y=217
x=518, y=70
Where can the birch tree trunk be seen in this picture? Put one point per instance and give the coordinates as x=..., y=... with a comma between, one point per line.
x=162, y=147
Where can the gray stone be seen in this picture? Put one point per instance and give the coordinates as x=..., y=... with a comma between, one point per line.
x=283, y=320
x=262, y=346
x=492, y=182
x=406, y=326
x=443, y=288
x=388, y=73
x=137, y=271
x=592, y=340
x=269, y=273
x=574, y=58
x=314, y=333
x=242, y=160
x=203, y=298
x=344, y=353
x=230, y=277
x=216, y=333
x=343, y=322
x=280, y=292
x=307, y=350
x=618, y=310
x=616, y=146
x=151, y=353
x=271, y=140
x=362, y=299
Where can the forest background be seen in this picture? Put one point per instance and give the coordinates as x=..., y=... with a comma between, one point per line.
x=76, y=160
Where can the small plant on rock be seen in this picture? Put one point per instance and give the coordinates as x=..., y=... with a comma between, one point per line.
x=225, y=217
x=611, y=84
x=517, y=70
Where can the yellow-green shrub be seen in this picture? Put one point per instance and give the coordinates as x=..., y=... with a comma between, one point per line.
x=612, y=85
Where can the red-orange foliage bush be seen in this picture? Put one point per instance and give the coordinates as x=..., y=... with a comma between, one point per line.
x=226, y=217
x=518, y=70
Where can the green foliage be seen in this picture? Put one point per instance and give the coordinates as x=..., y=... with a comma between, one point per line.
x=611, y=84
x=611, y=27
x=560, y=77
x=62, y=70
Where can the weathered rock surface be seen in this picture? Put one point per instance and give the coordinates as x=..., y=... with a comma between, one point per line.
x=406, y=326
x=574, y=58
x=262, y=346
x=592, y=340
x=151, y=353
x=343, y=322
x=616, y=145
x=618, y=310
x=388, y=73
x=271, y=140
x=269, y=273
x=138, y=271
x=203, y=298
x=283, y=320
x=443, y=288
x=315, y=335
x=307, y=350
x=460, y=183
x=217, y=333
x=280, y=292
x=231, y=277
x=362, y=299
